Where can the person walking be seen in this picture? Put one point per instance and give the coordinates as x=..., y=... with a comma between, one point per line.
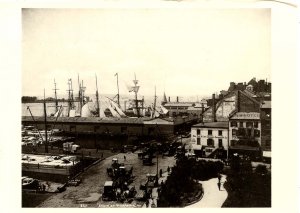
x=124, y=158
x=219, y=186
x=219, y=177
x=160, y=172
x=168, y=169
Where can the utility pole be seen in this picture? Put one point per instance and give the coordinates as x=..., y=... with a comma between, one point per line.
x=45, y=116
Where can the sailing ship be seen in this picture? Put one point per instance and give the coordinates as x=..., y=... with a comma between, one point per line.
x=110, y=107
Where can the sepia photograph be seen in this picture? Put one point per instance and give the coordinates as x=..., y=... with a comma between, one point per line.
x=127, y=105
x=146, y=108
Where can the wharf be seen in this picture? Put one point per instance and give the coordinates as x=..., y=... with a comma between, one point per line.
x=115, y=126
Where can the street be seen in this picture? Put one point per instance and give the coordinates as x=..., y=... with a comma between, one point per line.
x=88, y=193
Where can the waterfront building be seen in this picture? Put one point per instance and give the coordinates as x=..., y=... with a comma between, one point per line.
x=245, y=133
x=206, y=138
x=266, y=114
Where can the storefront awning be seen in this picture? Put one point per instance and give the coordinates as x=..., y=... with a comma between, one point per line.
x=244, y=148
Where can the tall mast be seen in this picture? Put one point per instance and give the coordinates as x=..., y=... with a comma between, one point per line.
x=72, y=98
x=82, y=93
x=136, y=91
x=45, y=116
x=97, y=98
x=69, y=96
x=118, y=88
x=154, y=105
x=79, y=95
x=56, y=102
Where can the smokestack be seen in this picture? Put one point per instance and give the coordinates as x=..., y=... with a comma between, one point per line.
x=177, y=99
x=213, y=108
x=169, y=99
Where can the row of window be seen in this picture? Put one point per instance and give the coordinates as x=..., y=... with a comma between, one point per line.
x=210, y=142
x=209, y=132
x=244, y=132
x=252, y=143
x=241, y=124
x=179, y=108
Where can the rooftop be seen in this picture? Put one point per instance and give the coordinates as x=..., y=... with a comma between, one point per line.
x=87, y=119
x=185, y=104
x=213, y=125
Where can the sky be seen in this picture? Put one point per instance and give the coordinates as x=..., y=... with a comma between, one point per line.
x=184, y=52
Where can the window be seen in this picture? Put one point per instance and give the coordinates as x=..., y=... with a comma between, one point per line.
x=249, y=124
x=255, y=124
x=96, y=128
x=210, y=142
x=234, y=132
x=123, y=129
x=220, y=143
x=209, y=132
x=249, y=133
x=241, y=132
x=72, y=128
x=233, y=142
x=220, y=132
x=198, y=141
x=241, y=124
x=198, y=131
x=256, y=133
x=233, y=124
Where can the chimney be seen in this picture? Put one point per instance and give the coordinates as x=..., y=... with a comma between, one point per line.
x=238, y=101
x=177, y=99
x=169, y=99
x=202, y=112
x=213, y=108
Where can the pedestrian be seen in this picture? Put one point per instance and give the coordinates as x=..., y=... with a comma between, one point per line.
x=160, y=172
x=44, y=187
x=219, y=177
x=219, y=186
x=147, y=203
x=168, y=169
x=162, y=183
x=124, y=158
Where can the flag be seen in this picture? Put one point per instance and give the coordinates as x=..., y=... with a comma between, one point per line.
x=116, y=74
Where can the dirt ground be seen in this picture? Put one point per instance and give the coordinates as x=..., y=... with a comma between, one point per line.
x=88, y=193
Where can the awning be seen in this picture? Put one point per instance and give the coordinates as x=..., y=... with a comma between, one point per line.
x=267, y=154
x=196, y=147
x=245, y=148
